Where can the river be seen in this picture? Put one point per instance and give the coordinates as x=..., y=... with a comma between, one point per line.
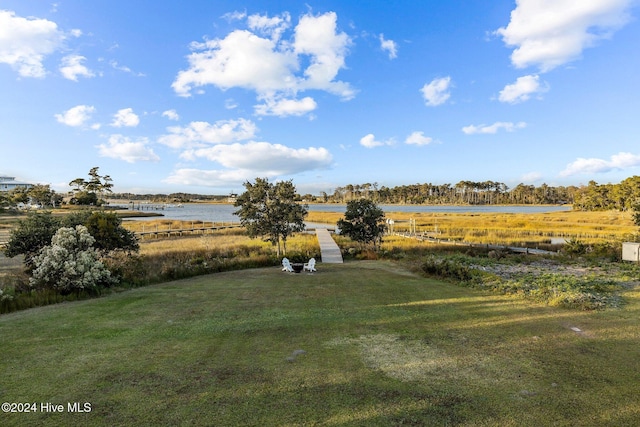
x=224, y=212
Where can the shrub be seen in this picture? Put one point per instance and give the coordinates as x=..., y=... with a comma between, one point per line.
x=449, y=268
x=575, y=247
x=70, y=263
x=129, y=269
x=32, y=234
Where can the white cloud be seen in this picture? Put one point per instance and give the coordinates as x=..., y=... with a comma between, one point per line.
x=531, y=177
x=369, y=141
x=286, y=107
x=171, y=115
x=230, y=104
x=246, y=161
x=270, y=66
x=235, y=16
x=494, y=128
x=242, y=59
x=317, y=37
x=125, y=118
x=593, y=165
x=124, y=68
x=198, y=134
x=389, y=46
x=122, y=148
x=437, y=91
x=265, y=158
x=273, y=27
x=76, y=116
x=72, y=67
x=550, y=33
x=522, y=89
x=418, y=138
x=25, y=42
x=209, y=178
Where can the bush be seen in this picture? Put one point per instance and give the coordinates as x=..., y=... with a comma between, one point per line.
x=447, y=268
x=70, y=263
x=575, y=247
x=32, y=234
x=36, y=231
x=129, y=269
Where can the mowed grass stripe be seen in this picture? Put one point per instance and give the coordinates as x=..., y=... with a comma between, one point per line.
x=361, y=343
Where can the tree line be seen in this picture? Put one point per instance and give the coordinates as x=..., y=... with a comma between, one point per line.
x=464, y=192
x=600, y=197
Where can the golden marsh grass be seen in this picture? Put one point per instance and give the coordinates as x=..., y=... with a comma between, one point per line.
x=502, y=228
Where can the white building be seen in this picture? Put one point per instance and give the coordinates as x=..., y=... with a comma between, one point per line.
x=8, y=183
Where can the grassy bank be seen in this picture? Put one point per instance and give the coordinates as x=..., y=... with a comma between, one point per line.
x=358, y=344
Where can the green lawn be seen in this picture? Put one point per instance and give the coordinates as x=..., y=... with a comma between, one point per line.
x=359, y=344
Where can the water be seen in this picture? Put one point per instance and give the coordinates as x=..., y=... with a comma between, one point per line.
x=224, y=212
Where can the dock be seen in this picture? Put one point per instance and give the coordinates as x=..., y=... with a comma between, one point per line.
x=329, y=250
x=199, y=227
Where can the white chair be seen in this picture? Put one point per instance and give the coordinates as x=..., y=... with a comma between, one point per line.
x=310, y=266
x=286, y=265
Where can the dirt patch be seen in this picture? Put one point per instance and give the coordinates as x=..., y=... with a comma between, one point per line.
x=408, y=359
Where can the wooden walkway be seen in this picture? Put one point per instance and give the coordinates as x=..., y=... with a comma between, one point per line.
x=329, y=250
x=201, y=228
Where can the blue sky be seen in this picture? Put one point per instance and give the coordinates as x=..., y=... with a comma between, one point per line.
x=200, y=96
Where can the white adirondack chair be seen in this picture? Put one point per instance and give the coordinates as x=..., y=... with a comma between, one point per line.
x=310, y=266
x=286, y=265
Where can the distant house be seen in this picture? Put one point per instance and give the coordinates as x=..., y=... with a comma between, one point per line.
x=8, y=183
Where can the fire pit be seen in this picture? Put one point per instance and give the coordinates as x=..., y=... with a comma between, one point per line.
x=297, y=267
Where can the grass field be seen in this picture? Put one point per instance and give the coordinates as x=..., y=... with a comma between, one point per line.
x=363, y=343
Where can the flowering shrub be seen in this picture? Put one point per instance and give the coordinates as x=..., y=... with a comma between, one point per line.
x=70, y=263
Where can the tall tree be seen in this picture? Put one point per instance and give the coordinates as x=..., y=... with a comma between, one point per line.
x=363, y=222
x=270, y=211
x=43, y=195
x=91, y=192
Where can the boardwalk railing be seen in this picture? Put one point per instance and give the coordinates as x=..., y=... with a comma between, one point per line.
x=197, y=227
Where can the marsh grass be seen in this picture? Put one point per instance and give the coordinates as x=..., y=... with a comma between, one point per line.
x=381, y=346
x=510, y=229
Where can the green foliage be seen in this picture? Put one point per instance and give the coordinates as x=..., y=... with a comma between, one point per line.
x=4, y=199
x=585, y=292
x=129, y=269
x=85, y=198
x=36, y=231
x=463, y=192
x=575, y=247
x=19, y=195
x=270, y=211
x=363, y=222
x=448, y=268
x=636, y=213
x=89, y=192
x=109, y=233
x=599, y=197
x=70, y=263
x=43, y=195
x=32, y=234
